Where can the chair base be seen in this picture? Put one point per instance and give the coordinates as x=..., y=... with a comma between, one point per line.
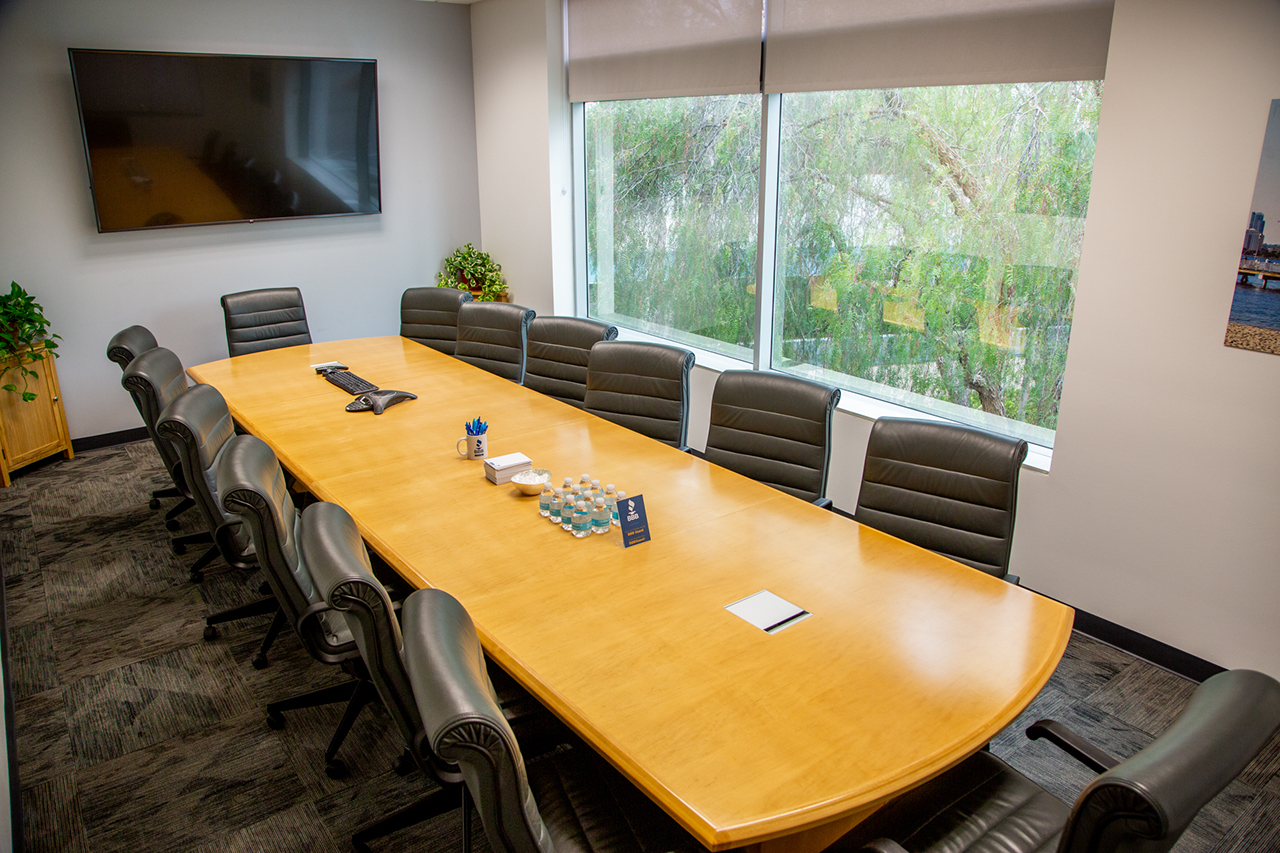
x=261, y=607
x=438, y=802
x=356, y=694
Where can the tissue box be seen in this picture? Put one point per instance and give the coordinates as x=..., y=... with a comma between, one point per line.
x=500, y=469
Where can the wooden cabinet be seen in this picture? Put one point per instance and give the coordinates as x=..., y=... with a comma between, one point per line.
x=31, y=431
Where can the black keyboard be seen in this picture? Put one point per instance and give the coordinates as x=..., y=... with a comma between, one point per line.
x=349, y=382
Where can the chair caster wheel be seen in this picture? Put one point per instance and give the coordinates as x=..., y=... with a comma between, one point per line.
x=172, y=525
x=260, y=662
x=197, y=577
x=264, y=589
x=275, y=721
x=154, y=503
x=336, y=769
x=403, y=765
x=211, y=632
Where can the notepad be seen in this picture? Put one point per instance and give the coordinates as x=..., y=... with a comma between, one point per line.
x=500, y=469
x=768, y=612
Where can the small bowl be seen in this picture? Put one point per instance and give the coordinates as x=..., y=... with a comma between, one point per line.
x=531, y=482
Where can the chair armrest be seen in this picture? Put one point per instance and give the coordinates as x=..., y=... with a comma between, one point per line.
x=882, y=845
x=823, y=503
x=1014, y=579
x=1072, y=744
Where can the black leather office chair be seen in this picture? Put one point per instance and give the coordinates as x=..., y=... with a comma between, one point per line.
x=265, y=319
x=641, y=386
x=559, y=348
x=252, y=487
x=200, y=426
x=775, y=429
x=949, y=488
x=1140, y=805
x=569, y=799
x=429, y=315
x=154, y=378
x=127, y=344
x=494, y=336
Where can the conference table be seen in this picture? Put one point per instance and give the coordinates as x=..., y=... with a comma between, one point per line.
x=909, y=662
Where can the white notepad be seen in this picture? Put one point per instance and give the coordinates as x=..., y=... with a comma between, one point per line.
x=768, y=612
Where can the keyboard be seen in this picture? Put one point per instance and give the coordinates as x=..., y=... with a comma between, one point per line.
x=349, y=382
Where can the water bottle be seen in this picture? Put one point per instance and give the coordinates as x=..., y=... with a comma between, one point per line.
x=568, y=485
x=557, y=503
x=622, y=496
x=611, y=503
x=544, y=500
x=581, y=520
x=601, y=518
x=566, y=512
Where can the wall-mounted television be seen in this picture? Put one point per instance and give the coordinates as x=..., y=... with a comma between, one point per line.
x=176, y=139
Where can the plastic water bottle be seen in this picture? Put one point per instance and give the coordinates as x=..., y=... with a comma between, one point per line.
x=585, y=481
x=601, y=518
x=544, y=500
x=568, y=485
x=622, y=496
x=595, y=487
x=567, y=512
x=581, y=520
x=556, y=505
x=611, y=503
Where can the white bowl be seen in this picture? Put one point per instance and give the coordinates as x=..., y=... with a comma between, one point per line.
x=531, y=482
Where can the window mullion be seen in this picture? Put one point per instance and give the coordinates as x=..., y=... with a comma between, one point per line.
x=767, y=230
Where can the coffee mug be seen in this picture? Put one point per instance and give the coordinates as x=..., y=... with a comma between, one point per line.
x=477, y=446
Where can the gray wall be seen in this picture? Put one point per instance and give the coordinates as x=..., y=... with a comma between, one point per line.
x=1159, y=510
x=351, y=270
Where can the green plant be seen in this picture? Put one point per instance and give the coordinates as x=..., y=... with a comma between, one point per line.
x=22, y=327
x=469, y=268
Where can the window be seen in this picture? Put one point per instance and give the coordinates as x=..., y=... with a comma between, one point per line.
x=927, y=239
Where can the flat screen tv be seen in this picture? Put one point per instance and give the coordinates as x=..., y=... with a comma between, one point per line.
x=177, y=139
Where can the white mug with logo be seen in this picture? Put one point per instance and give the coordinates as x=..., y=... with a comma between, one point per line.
x=477, y=446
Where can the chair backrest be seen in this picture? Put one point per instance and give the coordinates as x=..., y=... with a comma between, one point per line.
x=127, y=344
x=252, y=486
x=773, y=428
x=429, y=315
x=265, y=319
x=154, y=379
x=200, y=426
x=463, y=723
x=334, y=553
x=559, y=348
x=495, y=336
x=1146, y=802
x=641, y=386
x=949, y=488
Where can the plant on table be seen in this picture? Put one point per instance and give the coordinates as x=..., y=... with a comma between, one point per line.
x=468, y=268
x=24, y=339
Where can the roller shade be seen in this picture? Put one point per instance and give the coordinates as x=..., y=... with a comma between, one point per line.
x=662, y=48
x=826, y=45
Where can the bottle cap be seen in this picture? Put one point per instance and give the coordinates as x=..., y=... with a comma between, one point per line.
x=599, y=501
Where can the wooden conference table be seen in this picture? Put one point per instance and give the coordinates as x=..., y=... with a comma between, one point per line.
x=909, y=663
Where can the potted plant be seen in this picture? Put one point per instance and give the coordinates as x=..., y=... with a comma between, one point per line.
x=24, y=339
x=468, y=268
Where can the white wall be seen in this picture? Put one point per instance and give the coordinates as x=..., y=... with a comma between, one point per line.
x=1158, y=512
x=351, y=270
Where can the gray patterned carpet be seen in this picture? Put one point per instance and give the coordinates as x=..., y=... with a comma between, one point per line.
x=136, y=735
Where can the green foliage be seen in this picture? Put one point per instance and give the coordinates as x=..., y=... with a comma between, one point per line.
x=468, y=268
x=23, y=328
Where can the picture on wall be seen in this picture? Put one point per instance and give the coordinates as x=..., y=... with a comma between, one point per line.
x=1255, y=309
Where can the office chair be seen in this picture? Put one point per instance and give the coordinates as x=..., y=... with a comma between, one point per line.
x=559, y=348
x=252, y=487
x=200, y=426
x=494, y=336
x=127, y=344
x=429, y=315
x=568, y=799
x=949, y=488
x=775, y=429
x=154, y=378
x=265, y=319
x=1143, y=804
x=644, y=387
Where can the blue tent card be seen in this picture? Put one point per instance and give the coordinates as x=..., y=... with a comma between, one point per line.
x=634, y=521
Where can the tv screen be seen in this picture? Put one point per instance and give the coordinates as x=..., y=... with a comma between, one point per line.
x=177, y=139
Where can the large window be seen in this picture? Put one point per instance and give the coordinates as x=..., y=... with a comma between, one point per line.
x=927, y=239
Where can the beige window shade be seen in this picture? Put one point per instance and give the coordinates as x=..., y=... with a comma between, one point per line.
x=826, y=45
x=663, y=48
